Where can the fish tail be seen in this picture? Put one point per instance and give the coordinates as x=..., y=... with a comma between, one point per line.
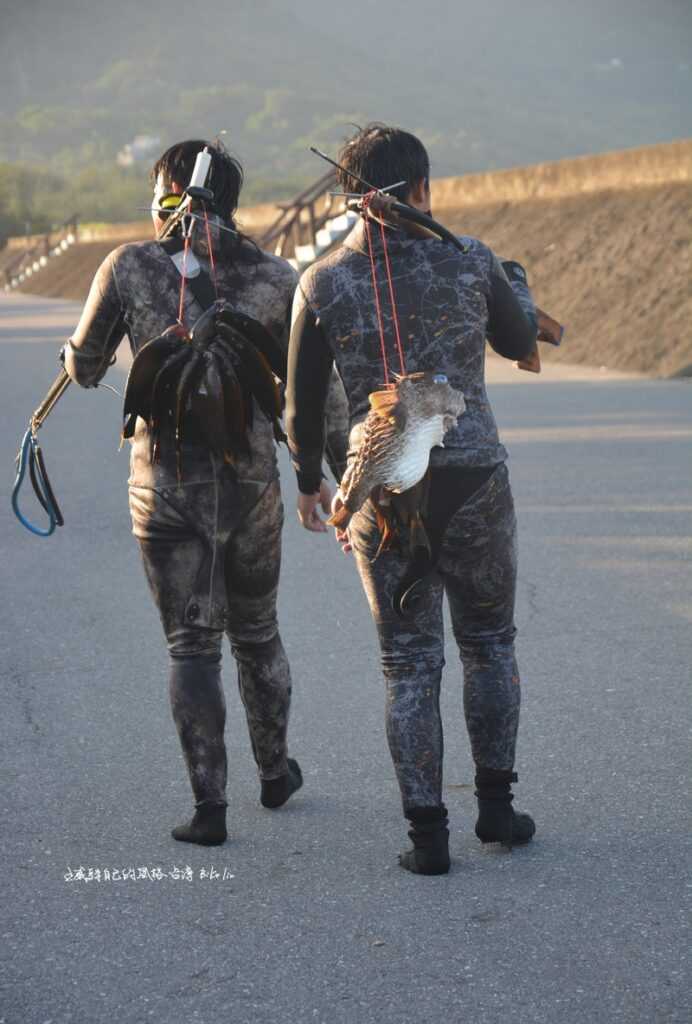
x=389, y=535
x=418, y=535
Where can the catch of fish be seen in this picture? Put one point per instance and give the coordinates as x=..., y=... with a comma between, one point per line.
x=404, y=423
x=202, y=383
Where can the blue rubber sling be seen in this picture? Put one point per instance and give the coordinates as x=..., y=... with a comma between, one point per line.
x=30, y=456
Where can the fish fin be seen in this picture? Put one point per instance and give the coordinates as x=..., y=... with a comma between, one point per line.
x=382, y=399
x=254, y=371
x=148, y=361
x=418, y=535
x=258, y=336
x=234, y=406
x=387, y=406
x=408, y=508
x=160, y=395
x=204, y=328
x=388, y=536
x=273, y=389
x=234, y=402
x=386, y=527
x=341, y=518
x=383, y=402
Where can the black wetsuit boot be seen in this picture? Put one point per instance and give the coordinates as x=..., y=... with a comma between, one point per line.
x=207, y=827
x=199, y=712
x=275, y=792
x=497, y=821
x=430, y=836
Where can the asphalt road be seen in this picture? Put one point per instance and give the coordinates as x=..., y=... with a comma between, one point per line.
x=314, y=921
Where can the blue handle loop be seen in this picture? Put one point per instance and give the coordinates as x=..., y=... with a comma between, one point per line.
x=29, y=454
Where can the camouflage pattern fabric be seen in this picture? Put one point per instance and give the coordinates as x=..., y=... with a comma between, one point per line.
x=477, y=571
x=136, y=292
x=211, y=547
x=336, y=427
x=220, y=535
x=442, y=298
x=442, y=305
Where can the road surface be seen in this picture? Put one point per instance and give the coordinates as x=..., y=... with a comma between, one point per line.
x=310, y=919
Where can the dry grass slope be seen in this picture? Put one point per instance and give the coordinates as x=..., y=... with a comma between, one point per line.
x=615, y=267
x=622, y=169
x=606, y=240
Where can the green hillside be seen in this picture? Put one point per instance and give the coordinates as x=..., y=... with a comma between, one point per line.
x=486, y=85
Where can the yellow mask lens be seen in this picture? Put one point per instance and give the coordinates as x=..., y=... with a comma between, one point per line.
x=170, y=202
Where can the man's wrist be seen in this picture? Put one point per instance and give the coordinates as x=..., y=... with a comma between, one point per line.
x=308, y=483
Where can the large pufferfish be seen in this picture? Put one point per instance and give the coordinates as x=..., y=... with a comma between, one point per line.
x=404, y=423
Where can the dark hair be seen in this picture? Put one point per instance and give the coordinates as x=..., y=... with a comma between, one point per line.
x=383, y=155
x=225, y=180
x=225, y=173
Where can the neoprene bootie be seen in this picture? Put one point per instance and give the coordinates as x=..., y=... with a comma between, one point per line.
x=207, y=826
x=429, y=834
x=275, y=792
x=498, y=822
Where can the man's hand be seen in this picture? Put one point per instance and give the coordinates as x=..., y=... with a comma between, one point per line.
x=307, y=508
x=341, y=535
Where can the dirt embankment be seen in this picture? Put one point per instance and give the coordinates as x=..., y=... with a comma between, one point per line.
x=615, y=267
x=606, y=241
x=69, y=275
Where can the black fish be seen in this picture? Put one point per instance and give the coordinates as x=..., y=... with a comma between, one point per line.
x=204, y=383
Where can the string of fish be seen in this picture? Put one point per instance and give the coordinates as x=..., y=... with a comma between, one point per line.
x=211, y=371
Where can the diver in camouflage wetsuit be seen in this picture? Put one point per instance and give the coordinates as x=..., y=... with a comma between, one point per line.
x=448, y=303
x=211, y=547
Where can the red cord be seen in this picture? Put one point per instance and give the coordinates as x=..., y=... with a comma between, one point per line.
x=390, y=283
x=373, y=270
x=211, y=254
x=183, y=275
x=395, y=316
x=183, y=272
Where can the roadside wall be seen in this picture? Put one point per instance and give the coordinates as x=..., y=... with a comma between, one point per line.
x=606, y=241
